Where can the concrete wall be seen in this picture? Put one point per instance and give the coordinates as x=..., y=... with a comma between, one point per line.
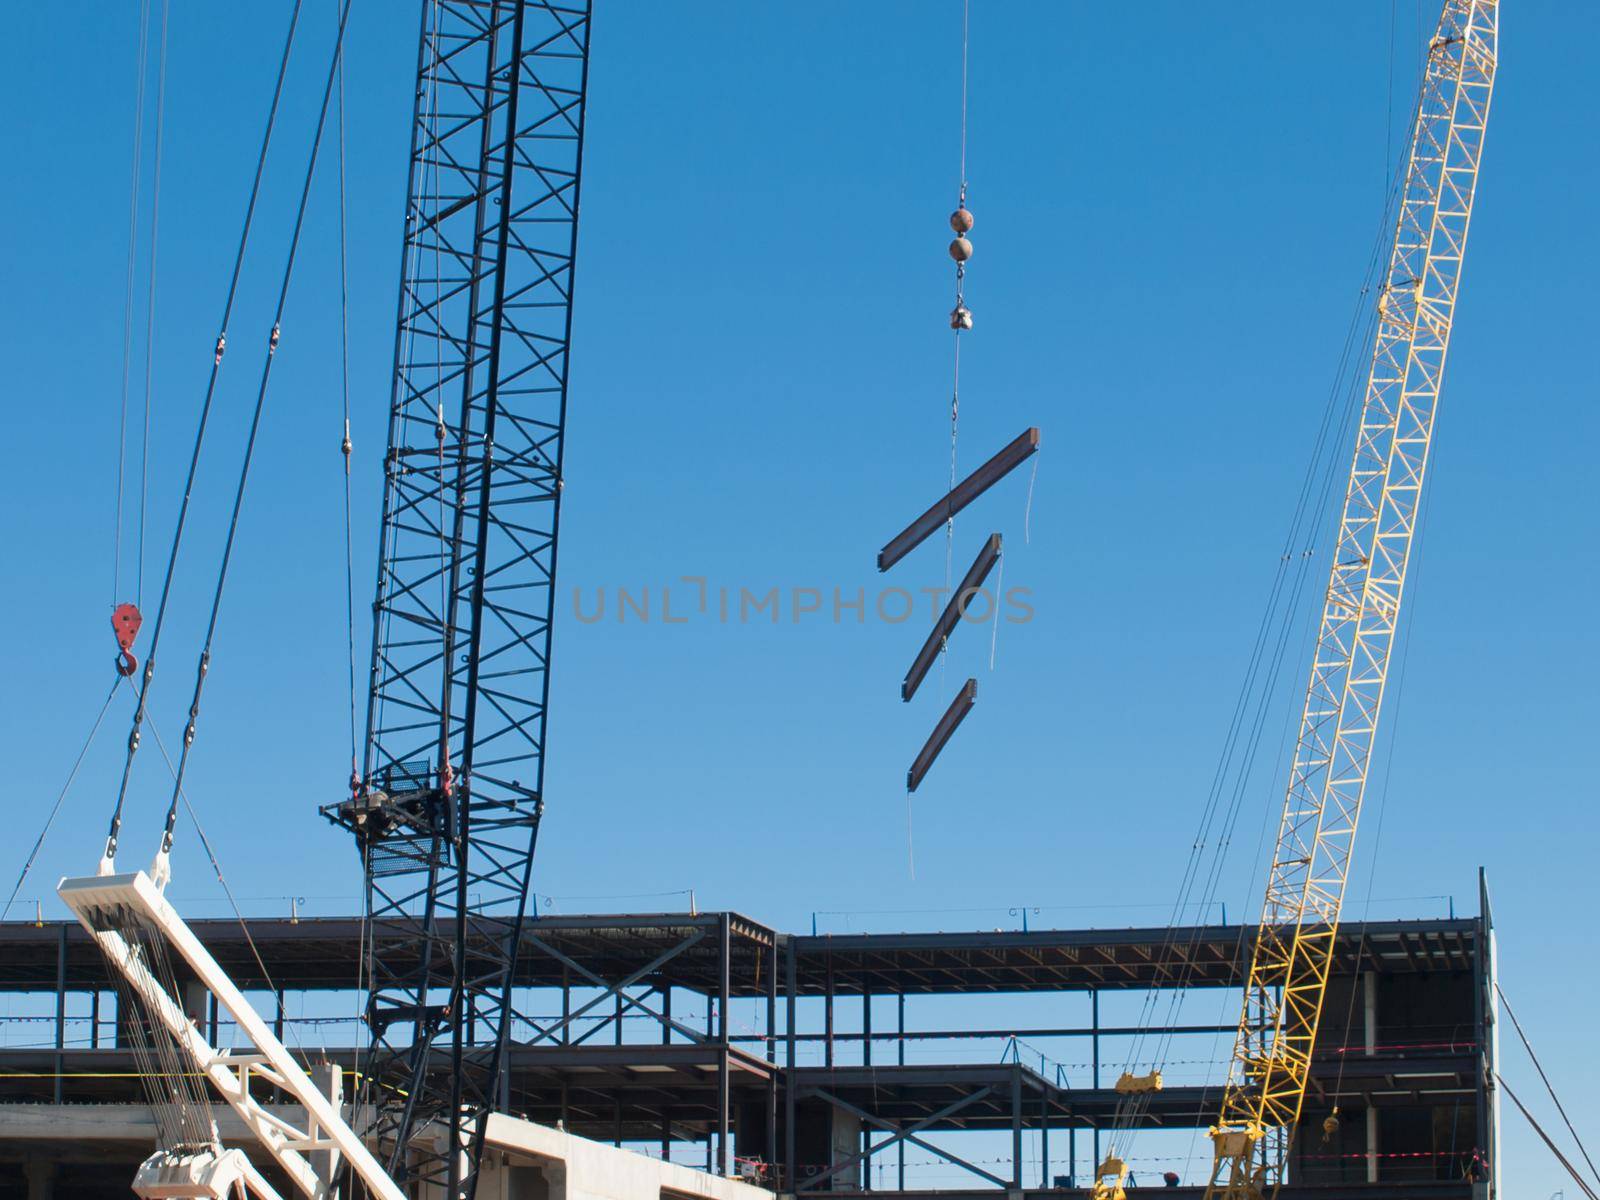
x=524, y=1161
x=539, y=1163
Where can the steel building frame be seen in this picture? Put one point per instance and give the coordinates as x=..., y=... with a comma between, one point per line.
x=623, y=1033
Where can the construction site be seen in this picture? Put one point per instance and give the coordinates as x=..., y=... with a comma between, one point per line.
x=345, y=979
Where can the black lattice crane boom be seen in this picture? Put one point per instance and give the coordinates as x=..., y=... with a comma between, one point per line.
x=447, y=802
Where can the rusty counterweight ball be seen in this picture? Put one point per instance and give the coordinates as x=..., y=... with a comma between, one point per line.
x=961, y=220
x=961, y=249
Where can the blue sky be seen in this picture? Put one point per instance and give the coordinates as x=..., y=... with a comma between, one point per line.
x=1173, y=214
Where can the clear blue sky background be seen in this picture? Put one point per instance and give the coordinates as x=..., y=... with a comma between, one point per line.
x=1173, y=213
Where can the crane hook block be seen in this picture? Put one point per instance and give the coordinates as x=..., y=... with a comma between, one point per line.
x=125, y=622
x=1110, y=1179
x=1130, y=1084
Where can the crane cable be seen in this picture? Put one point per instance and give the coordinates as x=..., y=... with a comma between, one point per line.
x=1549, y=1087
x=216, y=865
x=127, y=303
x=150, y=297
x=61, y=796
x=960, y=318
x=194, y=457
x=250, y=444
x=960, y=250
x=1539, y=1129
x=1131, y=1108
x=1396, y=186
x=345, y=445
x=426, y=118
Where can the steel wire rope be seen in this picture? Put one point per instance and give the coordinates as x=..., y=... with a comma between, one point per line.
x=955, y=395
x=199, y=441
x=1388, y=766
x=410, y=305
x=1130, y=1111
x=250, y=443
x=61, y=796
x=1243, y=774
x=143, y=61
x=1548, y=1086
x=1539, y=1129
x=1357, y=332
x=349, y=568
x=1271, y=633
x=345, y=445
x=150, y=298
x=961, y=272
x=1390, y=173
x=1398, y=183
x=1259, y=857
x=216, y=865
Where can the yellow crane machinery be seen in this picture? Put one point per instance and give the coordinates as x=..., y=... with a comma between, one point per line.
x=1311, y=864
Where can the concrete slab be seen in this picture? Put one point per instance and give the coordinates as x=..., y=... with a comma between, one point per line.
x=579, y=1169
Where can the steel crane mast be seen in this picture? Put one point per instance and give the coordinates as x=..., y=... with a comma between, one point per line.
x=446, y=804
x=1305, y=888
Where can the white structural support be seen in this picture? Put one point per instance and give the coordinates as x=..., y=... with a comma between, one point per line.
x=307, y=1153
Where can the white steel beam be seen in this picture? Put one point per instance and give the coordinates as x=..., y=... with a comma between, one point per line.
x=101, y=903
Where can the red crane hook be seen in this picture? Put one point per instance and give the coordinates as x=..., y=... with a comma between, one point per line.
x=125, y=622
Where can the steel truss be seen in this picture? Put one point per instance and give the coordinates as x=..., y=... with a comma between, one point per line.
x=639, y=986
x=1305, y=889
x=447, y=803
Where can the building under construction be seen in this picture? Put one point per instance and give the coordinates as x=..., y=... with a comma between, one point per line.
x=446, y=1043
x=806, y=1063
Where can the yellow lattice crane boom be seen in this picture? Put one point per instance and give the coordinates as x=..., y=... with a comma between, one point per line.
x=1305, y=888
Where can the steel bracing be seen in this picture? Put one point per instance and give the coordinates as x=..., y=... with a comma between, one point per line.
x=1328, y=777
x=664, y=1029
x=447, y=803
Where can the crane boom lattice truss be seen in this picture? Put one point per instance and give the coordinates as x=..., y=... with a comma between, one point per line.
x=447, y=804
x=1305, y=889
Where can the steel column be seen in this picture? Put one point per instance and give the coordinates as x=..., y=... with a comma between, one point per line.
x=61, y=1009
x=790, y=1180
x=724, y=994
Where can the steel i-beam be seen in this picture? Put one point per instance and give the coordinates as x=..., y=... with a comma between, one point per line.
x=958, y=497
x=948, y=724
x=953, y=612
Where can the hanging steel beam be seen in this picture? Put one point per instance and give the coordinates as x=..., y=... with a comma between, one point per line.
x=963, y=494
x=948, y=724
x=953, y=612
